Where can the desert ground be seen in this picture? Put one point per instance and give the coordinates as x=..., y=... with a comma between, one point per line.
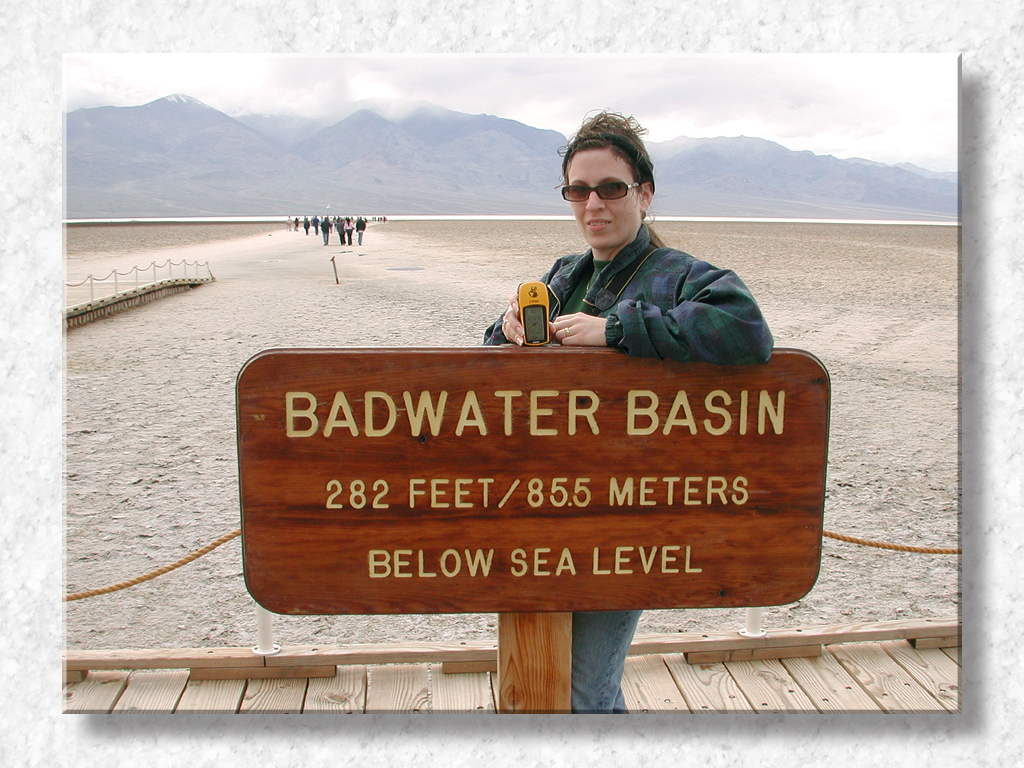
x=150, y=451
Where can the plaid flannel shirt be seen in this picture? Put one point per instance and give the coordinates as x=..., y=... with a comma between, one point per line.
x=675, y=306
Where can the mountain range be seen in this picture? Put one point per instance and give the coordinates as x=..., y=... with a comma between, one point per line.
x=177, y=157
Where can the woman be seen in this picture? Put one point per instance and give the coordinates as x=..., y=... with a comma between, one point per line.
x=630, y=292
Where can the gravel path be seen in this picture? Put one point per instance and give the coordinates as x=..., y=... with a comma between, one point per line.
x=150, y=437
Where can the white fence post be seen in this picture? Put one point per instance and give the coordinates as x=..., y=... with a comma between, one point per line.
x=264, y=633
x=753, y=628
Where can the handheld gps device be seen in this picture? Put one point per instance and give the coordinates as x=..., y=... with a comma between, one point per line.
x=534, y=308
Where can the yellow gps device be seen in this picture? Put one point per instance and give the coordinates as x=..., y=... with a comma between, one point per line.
x=534, y=308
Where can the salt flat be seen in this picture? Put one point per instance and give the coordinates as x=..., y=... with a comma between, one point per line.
x=150, y=437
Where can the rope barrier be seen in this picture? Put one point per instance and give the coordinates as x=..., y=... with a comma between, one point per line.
x=184, y=264
x=158, y=572
x=141, y=281
x=229, y=536
x=896, y=547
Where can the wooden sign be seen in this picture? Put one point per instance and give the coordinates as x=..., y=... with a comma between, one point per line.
x=501, y=479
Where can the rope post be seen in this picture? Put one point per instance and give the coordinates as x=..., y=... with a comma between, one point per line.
x=264, y=633
x=753, y=628
x=92, y=290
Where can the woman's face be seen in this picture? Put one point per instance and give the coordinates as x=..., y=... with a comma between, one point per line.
x=607, y=225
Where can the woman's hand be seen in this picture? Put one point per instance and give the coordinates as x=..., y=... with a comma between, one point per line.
x=510, y=325
x=580, y=330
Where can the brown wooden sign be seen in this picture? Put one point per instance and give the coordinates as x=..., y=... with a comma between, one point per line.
x=520, y=480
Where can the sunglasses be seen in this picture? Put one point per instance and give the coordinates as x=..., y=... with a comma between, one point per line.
x=610, y=190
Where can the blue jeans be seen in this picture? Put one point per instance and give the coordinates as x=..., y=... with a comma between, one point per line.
x=600, y=642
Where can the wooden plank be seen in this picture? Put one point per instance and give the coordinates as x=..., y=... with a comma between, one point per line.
x=152, y=691
x=795, y=636
x=261, y=673
x=707, y=688
x=922, y=643
x=753, y=654
x=464, y=692
x=96, y=694
x=769, y=687
x=424, y=653
x=648, y=686
x=883, y=679
x=466, y=667
x=384, y=653
x=162, y=658
x=953, y=653
x=73, y=676
x=534, y=663
x=933, y=670
x=205, y=697
x=273, y=697
x=342, y=694
x=829, y=686
x=398, y=689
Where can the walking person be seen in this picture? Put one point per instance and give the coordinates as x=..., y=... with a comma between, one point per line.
x=663, y=304
x=360, y=228
x=305, y=223
x=349, y=226
x=316, y=225
x=325, y=227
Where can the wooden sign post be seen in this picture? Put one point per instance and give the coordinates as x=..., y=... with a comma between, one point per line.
x=528, y=481
x=534, y=663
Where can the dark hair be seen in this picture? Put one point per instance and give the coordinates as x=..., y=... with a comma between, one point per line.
x=610, y=130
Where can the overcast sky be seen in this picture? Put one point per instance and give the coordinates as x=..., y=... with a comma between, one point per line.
x=890, y=108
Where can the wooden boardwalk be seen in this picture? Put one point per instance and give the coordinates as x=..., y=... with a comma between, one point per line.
x=851, y=668
x=87, y=311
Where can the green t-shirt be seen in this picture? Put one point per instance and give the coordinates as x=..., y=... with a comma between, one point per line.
x=575, y=302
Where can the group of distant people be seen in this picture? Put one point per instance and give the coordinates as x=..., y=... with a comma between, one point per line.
x=344, y=226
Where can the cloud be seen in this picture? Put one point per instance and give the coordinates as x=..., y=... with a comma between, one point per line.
x=887, y=107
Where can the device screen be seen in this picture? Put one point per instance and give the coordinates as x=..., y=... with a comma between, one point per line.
x=535, y=322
